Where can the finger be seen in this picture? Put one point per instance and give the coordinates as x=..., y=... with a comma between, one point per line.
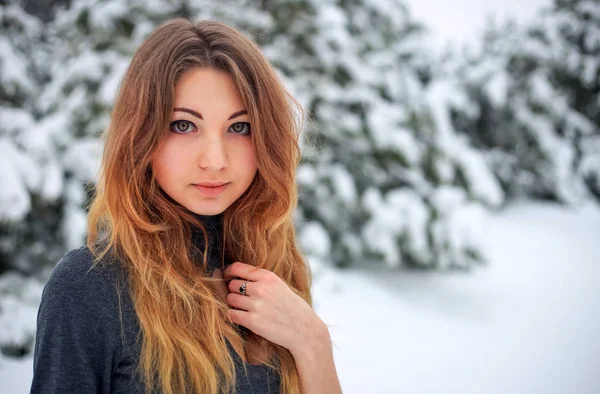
x=241, y=318
x=239, y=301
x=244, y=271
x=235, y=284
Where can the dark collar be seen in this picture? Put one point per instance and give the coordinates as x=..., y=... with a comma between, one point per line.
x=214, y=228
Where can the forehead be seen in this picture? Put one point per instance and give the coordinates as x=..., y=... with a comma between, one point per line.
x=208, y=89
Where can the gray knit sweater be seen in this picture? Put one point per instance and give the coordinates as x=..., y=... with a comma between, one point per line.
x=79, y=345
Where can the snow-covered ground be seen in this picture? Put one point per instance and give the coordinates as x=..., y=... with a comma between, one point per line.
x=528, y=323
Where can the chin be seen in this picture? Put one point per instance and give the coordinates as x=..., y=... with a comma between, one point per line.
x=207, y=211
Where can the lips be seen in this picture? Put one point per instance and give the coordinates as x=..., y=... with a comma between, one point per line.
x=210, y=184
x=211, y=189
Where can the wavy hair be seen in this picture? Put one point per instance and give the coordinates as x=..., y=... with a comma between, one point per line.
x=183, y=322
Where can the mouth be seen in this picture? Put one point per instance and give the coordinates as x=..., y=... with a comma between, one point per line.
x=211, y=188
x=211, y=184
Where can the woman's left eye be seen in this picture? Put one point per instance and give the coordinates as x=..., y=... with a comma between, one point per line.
x=241, y=128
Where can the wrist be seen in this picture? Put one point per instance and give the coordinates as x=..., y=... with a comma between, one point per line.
x=315, y=363
x=316, y=341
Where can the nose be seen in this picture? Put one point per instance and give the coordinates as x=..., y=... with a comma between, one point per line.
x=212, y=154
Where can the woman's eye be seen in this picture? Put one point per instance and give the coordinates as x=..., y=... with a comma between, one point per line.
x=242, y=128
x=182, y=126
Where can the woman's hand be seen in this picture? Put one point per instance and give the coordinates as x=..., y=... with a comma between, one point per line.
x=272, y=310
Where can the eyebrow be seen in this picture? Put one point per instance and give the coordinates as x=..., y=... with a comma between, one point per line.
x=199, y=115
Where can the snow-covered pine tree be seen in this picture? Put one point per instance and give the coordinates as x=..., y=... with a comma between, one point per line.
x=534, y=105
x=383, y=131
x=384, y=174
x=575, y=27
x=28, y=201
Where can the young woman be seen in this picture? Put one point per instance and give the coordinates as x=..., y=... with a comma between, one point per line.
x=191, y=281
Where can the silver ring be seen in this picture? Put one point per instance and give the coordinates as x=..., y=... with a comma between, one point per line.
x=243, y=288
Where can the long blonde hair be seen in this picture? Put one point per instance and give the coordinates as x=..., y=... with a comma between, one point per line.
x=183, y=322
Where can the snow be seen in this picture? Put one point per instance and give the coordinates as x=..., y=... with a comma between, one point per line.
x=482, y=185
x=105, y=15
x=458, y=228
x=440, y=97
x=83, y=158
x=13, y=68
x=400, y=214
x=19, y=300
x=52, y=181
x=497, y=89
x=560, y=155
x=315, y=239
x=343, y=183
x=306, y=175
x=384, y=120
x=111, y=82
x=16, y=375
x=455, y=22
x=15, y=179
x=74, y=226
x=528, y=323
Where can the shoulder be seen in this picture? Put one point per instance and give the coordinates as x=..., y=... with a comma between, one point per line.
x=77, y=271
x=79, y=263
x=78, y=336
x=80, y=288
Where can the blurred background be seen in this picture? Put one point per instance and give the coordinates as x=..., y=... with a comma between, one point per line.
x=448, y=195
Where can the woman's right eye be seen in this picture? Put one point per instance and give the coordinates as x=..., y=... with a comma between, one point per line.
x=182, y=126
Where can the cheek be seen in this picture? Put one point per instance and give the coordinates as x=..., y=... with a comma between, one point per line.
x=242, y=161
x=165, y=163
x=248, y=158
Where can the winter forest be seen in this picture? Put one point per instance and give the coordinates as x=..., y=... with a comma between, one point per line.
x=409, y=150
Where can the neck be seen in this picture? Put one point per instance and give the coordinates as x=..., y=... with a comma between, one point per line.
x=210, y=220
x=213, y=224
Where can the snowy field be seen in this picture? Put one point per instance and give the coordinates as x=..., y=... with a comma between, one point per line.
x=528, y=323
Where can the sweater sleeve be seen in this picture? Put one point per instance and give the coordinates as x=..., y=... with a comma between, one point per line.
x=78, y=334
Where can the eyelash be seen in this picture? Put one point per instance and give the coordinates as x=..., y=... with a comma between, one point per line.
x=173, y=127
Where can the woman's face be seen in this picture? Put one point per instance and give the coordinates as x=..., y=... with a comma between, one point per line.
x=207, y=160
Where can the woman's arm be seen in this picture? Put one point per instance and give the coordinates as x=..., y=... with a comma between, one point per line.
x=75, y=338
x=315, y=364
